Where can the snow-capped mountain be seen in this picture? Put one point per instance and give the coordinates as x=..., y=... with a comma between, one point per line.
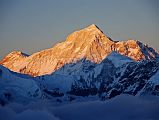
x=89, y=43
x=115, y=75
x=88, y=64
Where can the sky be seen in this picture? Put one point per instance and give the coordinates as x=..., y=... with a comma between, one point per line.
x=33, y=25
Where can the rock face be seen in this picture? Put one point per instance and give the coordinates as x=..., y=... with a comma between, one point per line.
x=89, y=43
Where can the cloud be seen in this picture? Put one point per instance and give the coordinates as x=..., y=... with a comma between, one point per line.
x=35, y=115
x=121, y=107
x=8, y=114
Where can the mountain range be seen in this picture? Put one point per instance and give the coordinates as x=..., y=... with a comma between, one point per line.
x=87, y=65
x=89, y=43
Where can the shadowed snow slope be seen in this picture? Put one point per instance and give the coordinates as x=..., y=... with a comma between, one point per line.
x=17, y=87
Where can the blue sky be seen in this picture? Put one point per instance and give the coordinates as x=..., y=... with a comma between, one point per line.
x=32, y=25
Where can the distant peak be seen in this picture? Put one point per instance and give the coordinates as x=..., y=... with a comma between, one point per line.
x=93, y=25
x=17, y=53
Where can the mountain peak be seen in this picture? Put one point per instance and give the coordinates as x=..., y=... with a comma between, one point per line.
x=88, y=35
x=93, y=26
x=13, y=59
x=18, y=53
x=89, y=43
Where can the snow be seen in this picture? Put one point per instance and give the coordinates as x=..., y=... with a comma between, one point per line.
x=155, y=78
x=82, y=108
x=17, y=86
x=97, y=70
x=118, y=59
x=148, y=89
x=62, y=82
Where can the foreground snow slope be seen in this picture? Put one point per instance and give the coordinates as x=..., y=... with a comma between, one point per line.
x=17, y=87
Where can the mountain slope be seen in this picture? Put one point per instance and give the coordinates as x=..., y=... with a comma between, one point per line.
x=105, y=80
x=17, y=87
x=83, y=80
x=89, y=43
x=152, y=86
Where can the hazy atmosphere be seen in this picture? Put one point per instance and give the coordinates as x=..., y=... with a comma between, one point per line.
x=32, y=25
